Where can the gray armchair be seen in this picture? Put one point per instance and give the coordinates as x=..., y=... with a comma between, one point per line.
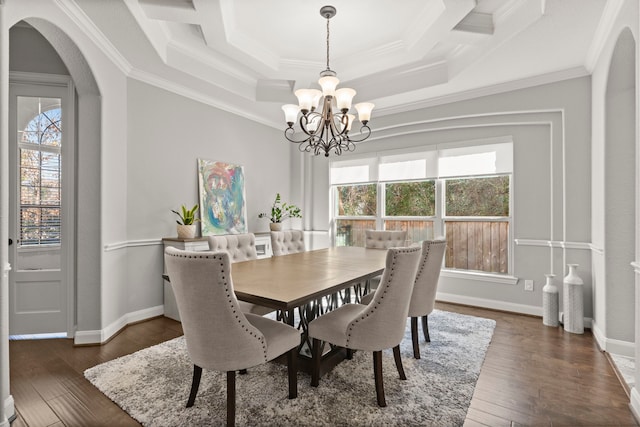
x=218, y=335
x=424, y=290
x=287, y=242
x=240, y=247
x=376, y=326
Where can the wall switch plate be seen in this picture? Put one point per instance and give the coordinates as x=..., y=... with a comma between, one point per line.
x=528, y=285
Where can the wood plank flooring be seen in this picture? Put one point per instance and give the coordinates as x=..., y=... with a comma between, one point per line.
x=532, y=375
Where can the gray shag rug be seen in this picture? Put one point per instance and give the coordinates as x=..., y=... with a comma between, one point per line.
x=152, y=385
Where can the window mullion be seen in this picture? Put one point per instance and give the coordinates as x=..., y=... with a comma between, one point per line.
x=380, y=211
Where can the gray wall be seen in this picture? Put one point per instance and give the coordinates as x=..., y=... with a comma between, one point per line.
x=550, y=128
x=167, y=134
x=30, y=52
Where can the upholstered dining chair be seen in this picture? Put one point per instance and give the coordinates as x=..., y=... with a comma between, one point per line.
x=373, y=327
x=218, y=335
x=381, y=239
x=384, y=239
x=240, y=247
x=287, y=242
x=425, y=286
x=424, y=289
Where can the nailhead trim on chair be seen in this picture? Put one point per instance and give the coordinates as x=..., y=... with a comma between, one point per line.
x=384, y=291
x=229, y=299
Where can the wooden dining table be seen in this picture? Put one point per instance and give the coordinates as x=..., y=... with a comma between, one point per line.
x=290, y=281
x=307, y=284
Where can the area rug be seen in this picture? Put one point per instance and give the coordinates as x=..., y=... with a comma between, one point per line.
x=152, y=385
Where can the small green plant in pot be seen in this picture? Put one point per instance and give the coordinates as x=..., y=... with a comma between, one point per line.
x=187, y=222
x=280, y=211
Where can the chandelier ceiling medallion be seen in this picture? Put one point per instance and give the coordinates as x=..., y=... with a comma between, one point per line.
x=325, y=131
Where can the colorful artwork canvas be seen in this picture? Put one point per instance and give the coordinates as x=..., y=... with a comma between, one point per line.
x=222, y=198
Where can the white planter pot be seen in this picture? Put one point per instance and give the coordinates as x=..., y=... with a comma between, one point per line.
x=275, y=226
x=186, y=231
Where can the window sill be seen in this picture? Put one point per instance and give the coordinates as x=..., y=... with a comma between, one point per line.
x=482, y=277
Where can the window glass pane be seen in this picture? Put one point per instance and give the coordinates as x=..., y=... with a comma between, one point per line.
x=477, y=245
x=417, y=230
x=477, y=196
x=350, y=232
x=410, y=199
x=356, y=200
x=39, y=140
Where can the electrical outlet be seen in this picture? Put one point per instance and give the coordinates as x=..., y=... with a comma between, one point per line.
x=528, y=285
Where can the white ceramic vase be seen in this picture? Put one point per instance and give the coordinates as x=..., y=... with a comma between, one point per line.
x=186, y=231
x=550, y=302
x=572, y=304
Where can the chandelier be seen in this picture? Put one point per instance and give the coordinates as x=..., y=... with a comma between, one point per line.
x=325, y=131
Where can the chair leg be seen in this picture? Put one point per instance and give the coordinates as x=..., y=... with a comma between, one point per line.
x=377, y=373
x=414, y=337
x=231, y=398
x=292, y=368
x=195, y=383
x=425, y=329
x=349, y=353
x=316, y=356
x=398, y=359
x=242, y=372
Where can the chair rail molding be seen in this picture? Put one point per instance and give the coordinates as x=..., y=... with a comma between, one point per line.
x=131, y=244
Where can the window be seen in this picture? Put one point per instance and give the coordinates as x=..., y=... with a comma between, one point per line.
x=356, y=205
x=39, y=145
x=477, y=223
x=462, y=193
x=410, y=206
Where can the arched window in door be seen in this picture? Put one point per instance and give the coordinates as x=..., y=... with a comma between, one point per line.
x=39, y=144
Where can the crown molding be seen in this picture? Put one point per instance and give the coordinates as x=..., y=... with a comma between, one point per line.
x=557, y=76
x=611, y=11
x=77, y=15
x=476, y=22
x=216, y=102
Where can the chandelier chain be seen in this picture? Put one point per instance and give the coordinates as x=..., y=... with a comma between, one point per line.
x=328, y=68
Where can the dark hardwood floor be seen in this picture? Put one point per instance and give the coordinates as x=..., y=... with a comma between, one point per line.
x=532, y=375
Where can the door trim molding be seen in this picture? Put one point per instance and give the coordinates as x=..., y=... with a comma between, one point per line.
x=68, y=176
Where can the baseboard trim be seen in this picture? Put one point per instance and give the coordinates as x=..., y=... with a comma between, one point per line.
x=104, y=335
x=613, y=346
x=492, y=304
x=511, y=307
x=634, y=405
x=9, y=411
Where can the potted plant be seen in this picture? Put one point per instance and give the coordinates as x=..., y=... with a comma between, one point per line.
x=279, y=212
x=186, y=223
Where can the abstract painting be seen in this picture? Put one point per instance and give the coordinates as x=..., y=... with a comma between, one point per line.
x=222, y=198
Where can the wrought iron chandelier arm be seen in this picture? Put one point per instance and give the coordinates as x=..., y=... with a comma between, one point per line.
x=289, y=134
x=366, y=135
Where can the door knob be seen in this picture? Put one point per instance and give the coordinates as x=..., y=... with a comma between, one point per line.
x=10, y=242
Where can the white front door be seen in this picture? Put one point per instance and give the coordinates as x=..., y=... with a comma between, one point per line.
x=40, y=217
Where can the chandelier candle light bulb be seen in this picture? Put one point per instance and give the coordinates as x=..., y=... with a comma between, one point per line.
x=325, y=131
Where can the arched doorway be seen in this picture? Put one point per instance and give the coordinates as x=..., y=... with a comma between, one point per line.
x=620, y=189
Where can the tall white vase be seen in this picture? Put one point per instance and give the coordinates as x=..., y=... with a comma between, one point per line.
x=550, y=302
x=573, y=305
